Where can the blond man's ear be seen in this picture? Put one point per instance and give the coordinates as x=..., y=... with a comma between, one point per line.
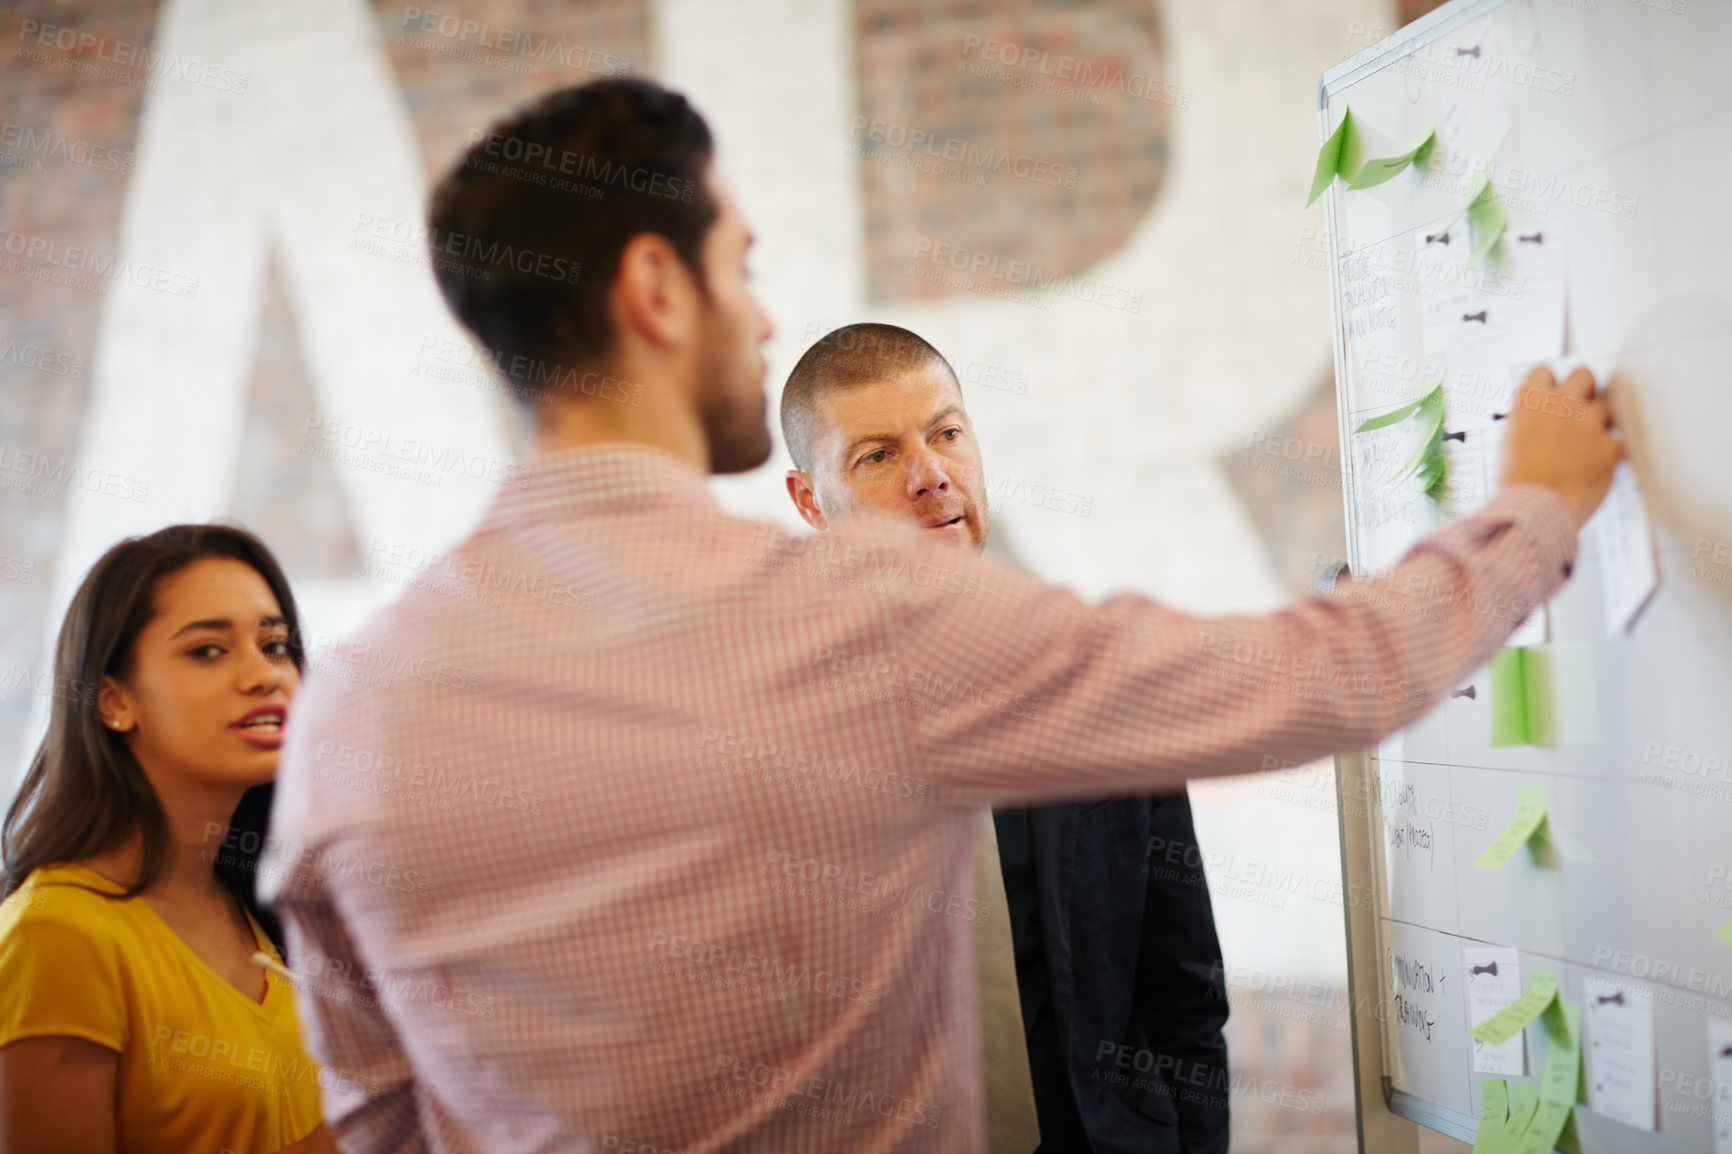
x=806, y=499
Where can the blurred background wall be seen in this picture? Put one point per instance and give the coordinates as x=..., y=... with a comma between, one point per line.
x=213, y=303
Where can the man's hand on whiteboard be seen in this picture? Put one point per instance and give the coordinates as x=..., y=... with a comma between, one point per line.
x=1560, y=435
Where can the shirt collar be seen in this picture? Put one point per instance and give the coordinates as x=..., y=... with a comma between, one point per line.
x=592, y=478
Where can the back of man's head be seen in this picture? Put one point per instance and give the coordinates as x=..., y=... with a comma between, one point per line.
x=847, y=358
x=526, y=231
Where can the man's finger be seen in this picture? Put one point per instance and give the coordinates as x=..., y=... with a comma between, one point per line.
x=1579, y=384
x=1540, y=378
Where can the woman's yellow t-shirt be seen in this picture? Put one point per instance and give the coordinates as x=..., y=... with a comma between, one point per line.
x=203, y=1067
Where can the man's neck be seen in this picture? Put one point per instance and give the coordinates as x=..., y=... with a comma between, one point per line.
x=631, y=410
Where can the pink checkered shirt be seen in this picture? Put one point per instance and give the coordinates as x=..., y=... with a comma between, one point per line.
x=636, y=826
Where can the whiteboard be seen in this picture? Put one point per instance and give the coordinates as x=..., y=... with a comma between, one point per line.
x=1612, y=122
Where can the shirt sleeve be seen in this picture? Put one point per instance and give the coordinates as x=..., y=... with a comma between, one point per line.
x=1063, y=699
x=60, y=971
x=369, y=1099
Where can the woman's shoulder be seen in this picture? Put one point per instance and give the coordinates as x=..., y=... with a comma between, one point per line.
x=64, y=949
x=66, y=896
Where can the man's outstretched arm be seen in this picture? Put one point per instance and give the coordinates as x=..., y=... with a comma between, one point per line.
x=1129, y=695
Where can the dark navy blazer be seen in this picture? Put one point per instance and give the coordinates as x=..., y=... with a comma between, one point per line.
x=1120, y=976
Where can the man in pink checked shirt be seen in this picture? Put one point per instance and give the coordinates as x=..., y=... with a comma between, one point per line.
x=680, y=896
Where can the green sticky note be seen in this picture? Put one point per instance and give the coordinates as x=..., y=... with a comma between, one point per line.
x=1430, y=446
x=1343, y=155
x=1486, y=218
x=1541, y=989
x=1521, y=697
x=1524, y=1103
x=1493, y=1116
x=1329, y=156
x=1509, y=700
x=1394, y=416
x=1537, y=693
x=1529, y=816
x=1426, y=463
x=1375, y=171
x=1724, y=933
x=1559, y=1081
x=1486, y=221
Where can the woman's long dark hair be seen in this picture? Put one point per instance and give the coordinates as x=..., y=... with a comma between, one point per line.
x=85, y=791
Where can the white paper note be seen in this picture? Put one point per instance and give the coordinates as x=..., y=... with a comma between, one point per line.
x=1470, y=124
x=1720, y=1067
x=1469, y=477
x=1532, y=631
x=1618, y=1034
x=1507, y=307
x=1494, y=980
x=1475, y=453
x=1394, y=507
x=1624, y=541
x=1575, y=710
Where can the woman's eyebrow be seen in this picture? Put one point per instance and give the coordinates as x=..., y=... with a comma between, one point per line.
x=223, y=623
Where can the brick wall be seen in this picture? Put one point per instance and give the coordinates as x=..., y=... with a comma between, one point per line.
x=1044, y=122
x=66, y=149
x=69, y=113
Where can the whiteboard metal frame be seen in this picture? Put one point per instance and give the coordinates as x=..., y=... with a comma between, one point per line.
x=1388, y=1119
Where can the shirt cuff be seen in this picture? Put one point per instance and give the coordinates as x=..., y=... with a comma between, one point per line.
x=1541, y=513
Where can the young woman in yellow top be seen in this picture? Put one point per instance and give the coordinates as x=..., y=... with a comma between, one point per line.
x=133, y=1016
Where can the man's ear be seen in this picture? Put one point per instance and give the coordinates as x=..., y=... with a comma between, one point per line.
x=806, y=499
x=654, y=295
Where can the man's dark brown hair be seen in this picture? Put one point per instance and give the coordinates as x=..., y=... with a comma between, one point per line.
x=526, y=231
x=847, y=358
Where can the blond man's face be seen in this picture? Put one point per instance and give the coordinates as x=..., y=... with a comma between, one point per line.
x=904, y=446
